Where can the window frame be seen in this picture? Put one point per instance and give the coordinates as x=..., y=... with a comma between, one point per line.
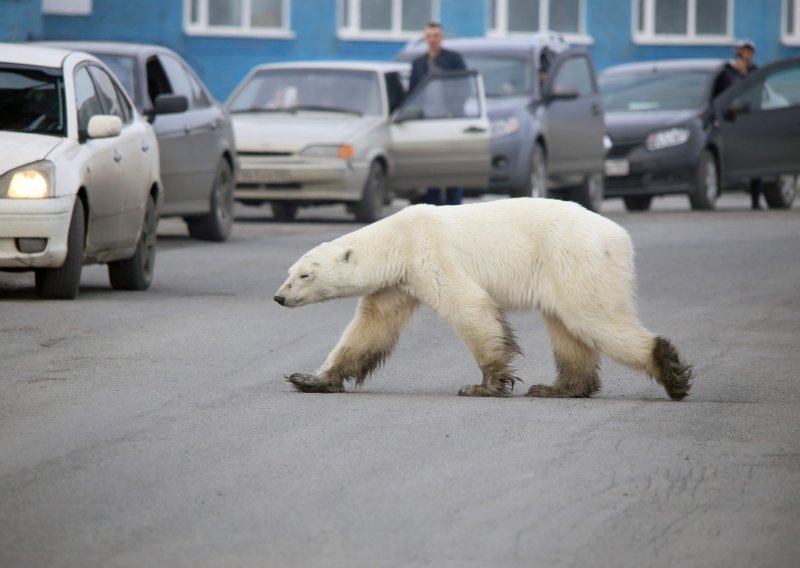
x=201, y=27
x=501, y=22
x=648, y=36
x=794, y=37
x=353, y=31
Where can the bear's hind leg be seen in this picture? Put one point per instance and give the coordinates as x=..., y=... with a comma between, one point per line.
x=576, y=363
x=364, y=345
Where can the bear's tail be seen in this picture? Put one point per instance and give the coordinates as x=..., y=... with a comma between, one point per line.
x=670, y=371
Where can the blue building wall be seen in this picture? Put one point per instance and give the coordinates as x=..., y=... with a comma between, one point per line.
x=223, y=61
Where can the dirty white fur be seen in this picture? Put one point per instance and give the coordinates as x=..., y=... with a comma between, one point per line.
x=471, y=264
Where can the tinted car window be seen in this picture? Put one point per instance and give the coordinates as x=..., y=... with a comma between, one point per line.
x=123, y=68
x=178, y=78
x=576, y=73
x=86, y=98
x=443, y=97
x=395, y=90
x=650, y=90
x=109, y=96
x=200, y=97
x=32, y=100
x=779, y=90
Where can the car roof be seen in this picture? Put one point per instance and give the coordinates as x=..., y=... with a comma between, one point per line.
x=108, y=47
x=666, y=65
x=497, y=45
x=24, y=54
x=346, y=65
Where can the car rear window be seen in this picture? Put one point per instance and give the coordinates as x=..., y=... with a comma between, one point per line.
x=655, y=90
x=32, y=100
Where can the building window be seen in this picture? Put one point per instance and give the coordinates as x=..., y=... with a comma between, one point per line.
x=682, y=21
x=510, y=17
x=262, y=18
x=790, y=22
x=67, y=7
x=401, y=19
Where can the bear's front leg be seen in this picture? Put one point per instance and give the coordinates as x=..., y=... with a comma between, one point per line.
x=303, y=382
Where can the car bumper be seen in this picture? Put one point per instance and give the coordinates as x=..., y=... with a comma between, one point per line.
x=323, y=180
x=46, y=219
x=667, y=171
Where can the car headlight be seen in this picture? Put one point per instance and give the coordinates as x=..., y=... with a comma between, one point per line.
x=667, y=138
x=504, y=126
x=33, y=181
x=607, y=142
x=341, y=151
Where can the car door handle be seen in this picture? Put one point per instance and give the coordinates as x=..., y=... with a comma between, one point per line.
x=474, y=130
x=117, y=156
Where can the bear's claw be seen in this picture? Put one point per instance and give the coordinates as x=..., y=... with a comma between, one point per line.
x=303, y=382
x=480, y=390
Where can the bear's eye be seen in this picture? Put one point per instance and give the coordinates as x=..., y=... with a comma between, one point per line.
x=304, y=275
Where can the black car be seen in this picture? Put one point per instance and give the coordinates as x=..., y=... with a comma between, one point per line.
x=672, y=133
x=546, y=115
x=194, y=131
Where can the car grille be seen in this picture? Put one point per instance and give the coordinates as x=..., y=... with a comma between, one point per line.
x=625, y=182
x=622, y=150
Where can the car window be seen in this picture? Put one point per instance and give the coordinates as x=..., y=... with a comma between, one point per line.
x=178, y=79
x=32, y=100
x=576, y=73
x=86, y=98
x=444, y=96
x=123, y=68
x=335, y=90
x=394, y=90
x=503, y=76
x=655, y=90
x=110, y=97
x=780, y=89
x=200, y=97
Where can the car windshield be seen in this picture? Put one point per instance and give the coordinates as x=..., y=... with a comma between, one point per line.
x=122, y=66
x=32, y=100
x=503, y=76
x=655, y=90
x=335, y=90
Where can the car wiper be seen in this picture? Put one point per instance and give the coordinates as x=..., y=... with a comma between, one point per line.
x=326, y=109
x=261, y=109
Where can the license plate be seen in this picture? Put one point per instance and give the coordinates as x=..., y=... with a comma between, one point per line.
x=617, y=167
x=264, y=176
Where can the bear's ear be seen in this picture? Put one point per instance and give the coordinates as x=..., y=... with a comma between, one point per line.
x=347, y=255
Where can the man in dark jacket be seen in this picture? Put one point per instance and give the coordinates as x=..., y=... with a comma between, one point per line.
x=436, y=60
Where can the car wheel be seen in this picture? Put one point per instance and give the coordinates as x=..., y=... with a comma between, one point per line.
x=781, y=194
x=536, y=182
x=370, y=208
x=705, y=192
x=284, y=210
x=590, y=192
x=217, y=224
x=63, y=283
x=638, y=202
x=136, y=272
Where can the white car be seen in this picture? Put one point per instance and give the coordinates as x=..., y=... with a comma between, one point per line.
x=79, y=172
x=311, y=133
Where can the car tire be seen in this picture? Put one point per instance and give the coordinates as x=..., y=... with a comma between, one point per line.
x=284, y=211
x=536, y=182
x=136, y=272
x=590, y=192
x=638, y=202
x=370, y=208
x=782, y=193
x=64, y=282
x=217, y=224
x=705, y=190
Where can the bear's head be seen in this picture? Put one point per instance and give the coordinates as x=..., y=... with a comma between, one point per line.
x=323, y=273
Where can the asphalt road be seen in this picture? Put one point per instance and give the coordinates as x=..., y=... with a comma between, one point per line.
x=155, y=429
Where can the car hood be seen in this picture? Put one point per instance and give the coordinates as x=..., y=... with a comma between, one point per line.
x=501, y=107
x=279, y=132
x=20, y=148
x=636, y=125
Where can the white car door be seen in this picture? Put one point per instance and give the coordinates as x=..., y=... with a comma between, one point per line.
x=440, y=134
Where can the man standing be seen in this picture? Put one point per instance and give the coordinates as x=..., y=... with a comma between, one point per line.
x=436, y=60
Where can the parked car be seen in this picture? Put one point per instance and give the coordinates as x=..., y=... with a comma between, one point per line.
x=672, y=133
x=546, y=115
x=79, y=170
x=311, y=133
x=195, y=135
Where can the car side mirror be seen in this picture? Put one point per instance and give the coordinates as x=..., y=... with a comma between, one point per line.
x=104, y=126
x=408, y=113
x=171, y=104
x=561, y=91
x=737, y=106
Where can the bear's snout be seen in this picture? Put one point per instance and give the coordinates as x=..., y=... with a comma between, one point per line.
x=280, y=299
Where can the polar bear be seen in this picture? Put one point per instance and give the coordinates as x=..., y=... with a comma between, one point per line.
x=473, y=263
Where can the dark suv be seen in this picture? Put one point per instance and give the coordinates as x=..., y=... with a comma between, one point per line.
x=546, y=115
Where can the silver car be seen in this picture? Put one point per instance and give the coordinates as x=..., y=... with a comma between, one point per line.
x=312, y=133
x=79, y=167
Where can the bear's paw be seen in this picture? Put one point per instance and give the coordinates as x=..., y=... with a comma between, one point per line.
x=303, y=382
